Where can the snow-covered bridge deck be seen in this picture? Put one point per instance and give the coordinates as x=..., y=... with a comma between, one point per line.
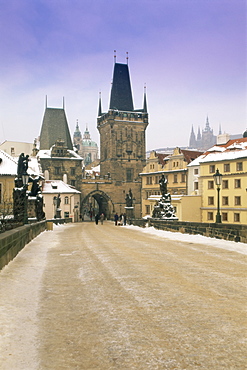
x=87, y=296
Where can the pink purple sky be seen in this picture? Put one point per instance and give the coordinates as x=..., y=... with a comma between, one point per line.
x=191, y=54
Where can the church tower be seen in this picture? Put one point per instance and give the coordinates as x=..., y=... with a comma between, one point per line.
x=122, y=131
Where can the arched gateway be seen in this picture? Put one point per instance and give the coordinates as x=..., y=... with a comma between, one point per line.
x=97, y=201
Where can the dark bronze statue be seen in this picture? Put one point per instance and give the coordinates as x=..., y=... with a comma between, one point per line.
x=129, y=199
x=22, y=165
x=163, y=185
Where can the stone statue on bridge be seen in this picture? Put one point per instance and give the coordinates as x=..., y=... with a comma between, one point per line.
x=163, y=185
x=129, y=199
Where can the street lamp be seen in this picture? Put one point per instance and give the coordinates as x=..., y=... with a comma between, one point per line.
x=25, y=178
x=217, y=179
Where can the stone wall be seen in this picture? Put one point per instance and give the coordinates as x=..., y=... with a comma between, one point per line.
x=12, y=241
x=237, y=233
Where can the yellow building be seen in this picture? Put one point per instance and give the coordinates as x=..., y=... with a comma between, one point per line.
x=231, y=161
x=174, y=167
x=8, y=171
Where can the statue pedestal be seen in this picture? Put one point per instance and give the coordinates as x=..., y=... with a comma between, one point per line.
x=163, y=209
x=129, y=212
x=58, y=213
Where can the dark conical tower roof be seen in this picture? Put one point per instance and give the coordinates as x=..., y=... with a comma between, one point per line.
x=121, y=95
x=54, y=127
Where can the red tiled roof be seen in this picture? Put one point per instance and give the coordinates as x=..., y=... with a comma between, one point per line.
x=161, y=158
x=190, y=155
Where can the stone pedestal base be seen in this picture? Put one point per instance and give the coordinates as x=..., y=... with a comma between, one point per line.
x=129, y=212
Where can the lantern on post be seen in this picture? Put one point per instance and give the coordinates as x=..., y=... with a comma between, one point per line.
x=218, y=179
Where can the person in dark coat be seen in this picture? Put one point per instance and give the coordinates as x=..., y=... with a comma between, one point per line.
x=97, y=218
x=116, y=219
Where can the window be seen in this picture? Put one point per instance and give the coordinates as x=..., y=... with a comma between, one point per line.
x=212, y=168
x=236, y=217
x=227, y=167
x=225, y=184
x=196, y=185
x=57, y=170
x=72, y=171
x=196, y=171
x=224, y=216
x=210, y=184
x=72, y=182
x=225, y=201
x=12, y=150
x=210, y=201
x=237, y=201
x=147, y=209
x=156, y=179
x=175, y=178
x=239, y=166
x=210, y=216
x=183, y=177
x=128, y=174
x=237, y=183
x=66, y=214
x=66, y=200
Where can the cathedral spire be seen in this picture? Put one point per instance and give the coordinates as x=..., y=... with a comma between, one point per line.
x=192, y=142
x=100, y=109
x=199, y=136
x=220, y=132
x=145, y=100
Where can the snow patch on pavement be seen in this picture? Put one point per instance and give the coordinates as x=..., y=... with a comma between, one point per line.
x=196, y=239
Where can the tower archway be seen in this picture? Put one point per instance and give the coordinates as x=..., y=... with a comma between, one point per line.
x=97, y=201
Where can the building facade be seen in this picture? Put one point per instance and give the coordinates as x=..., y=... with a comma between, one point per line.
x=69, y=200
x=174, y=167
x=231, y=161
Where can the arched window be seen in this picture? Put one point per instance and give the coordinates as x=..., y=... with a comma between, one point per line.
x=66, y=200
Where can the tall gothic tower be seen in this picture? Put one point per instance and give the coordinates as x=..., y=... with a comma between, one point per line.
x=122, y=131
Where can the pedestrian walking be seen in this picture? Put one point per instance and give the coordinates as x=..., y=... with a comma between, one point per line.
x=124, y=218
x=116, y=219
x=102, y=217
x=97, y=218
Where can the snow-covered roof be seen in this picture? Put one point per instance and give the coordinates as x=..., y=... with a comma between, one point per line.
x=225, y=156
x=234, y=149
x=46, y=153
x=58, y=186
x=9, y=164
x=94, y=170
x=217, y=148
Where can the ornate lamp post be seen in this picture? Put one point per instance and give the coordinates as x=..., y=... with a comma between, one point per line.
x=25, y=178
x=217, y=179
